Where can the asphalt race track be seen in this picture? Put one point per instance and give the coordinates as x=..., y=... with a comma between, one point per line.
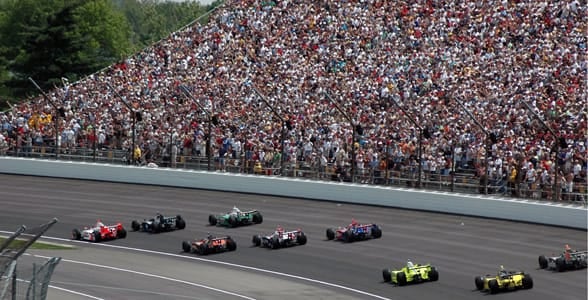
x=460, y=247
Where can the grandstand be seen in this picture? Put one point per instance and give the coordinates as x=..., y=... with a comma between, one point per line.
x=491, y=94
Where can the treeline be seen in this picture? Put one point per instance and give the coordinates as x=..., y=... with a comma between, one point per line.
x=51, y=39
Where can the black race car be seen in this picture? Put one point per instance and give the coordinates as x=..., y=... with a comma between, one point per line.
x=159, y=224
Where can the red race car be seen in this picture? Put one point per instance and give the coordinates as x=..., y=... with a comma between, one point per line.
x=210, y=245
x=355, y=232
x=100, y=232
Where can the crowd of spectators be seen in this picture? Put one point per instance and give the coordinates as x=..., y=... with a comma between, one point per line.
x=452, y=66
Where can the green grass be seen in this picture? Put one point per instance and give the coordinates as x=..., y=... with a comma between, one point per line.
x=37, y=245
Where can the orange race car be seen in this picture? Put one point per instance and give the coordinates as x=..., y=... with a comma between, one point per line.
x=210, y=245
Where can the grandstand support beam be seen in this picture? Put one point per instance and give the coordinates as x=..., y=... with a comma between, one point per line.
x=283, y=129
x=353, y=127
x=487, y=143
x=57, y=150
x=417, y=126
x=134, y=118
x=210, y=121
x=556, y=137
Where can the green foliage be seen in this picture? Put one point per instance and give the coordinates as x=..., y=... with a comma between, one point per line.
x=51, y=39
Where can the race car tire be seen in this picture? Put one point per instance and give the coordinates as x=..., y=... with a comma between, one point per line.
x=186, y=246
x=76, y=234
x=256, y=240
x=157, y=227
x=387, y=275
x=330, y=234
x=527, y=282
x=233, y=221
x=433, y=274
x=203, y=250
x=493, y=286
x=543, y=262
x=275, y=242
x=401, y=278
x=97, y=236
x=121, y=234
x=560, y=264
x=135, y=225
x=348, y=236
x=479, y=283
x=212, y=220
x=301, y=238
x=231, y=244
x=257, y=218
x=180, y=223
x=376, y=232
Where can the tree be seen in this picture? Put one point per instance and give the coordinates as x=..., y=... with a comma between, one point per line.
x=61, y=39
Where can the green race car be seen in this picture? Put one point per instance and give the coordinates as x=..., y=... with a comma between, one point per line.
x=235, y=218
x=504, y=281
x=411, y=273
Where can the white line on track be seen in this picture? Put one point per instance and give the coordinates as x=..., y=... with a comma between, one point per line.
x=333, y=285
x=67, y=290
x=150, y=275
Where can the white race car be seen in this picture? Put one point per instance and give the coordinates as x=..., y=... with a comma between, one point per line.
x=280, y=238
x=100, y=232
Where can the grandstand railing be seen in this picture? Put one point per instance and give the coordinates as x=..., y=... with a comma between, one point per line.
x=461, y=180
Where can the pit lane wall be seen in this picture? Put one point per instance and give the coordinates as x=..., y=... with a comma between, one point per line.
x=567, y=215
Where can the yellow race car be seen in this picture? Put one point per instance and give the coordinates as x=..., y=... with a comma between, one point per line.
x=504, y=281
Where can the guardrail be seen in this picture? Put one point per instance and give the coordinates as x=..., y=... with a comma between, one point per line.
x=559, y=214
x=459, y=180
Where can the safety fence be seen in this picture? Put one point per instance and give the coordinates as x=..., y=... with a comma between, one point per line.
x=463, y=179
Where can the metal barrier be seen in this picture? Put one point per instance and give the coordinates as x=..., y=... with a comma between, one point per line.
x=463, y=181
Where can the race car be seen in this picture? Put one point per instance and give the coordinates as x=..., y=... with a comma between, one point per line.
x=411, y=273
x=568, y=260
x=235, y=218
x=100, y=232
x=355, y=232
x=210, y=245
x=159, y=223
x=280, y=239
x=504, y=281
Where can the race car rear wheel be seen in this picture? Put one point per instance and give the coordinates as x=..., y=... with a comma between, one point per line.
x=543, y=262
x=257, y=218
x=479, y=282
x=301, y=238
x=233, y=221
x=560, y=264
x=433, y=274
x=180, y=223
x=186, y=246
x=376, y=232
x=212, y=220
x=330, y=234
x=203, y=250
x=527, y=282
x=135, y=225
x=76, y=234
x=256, y=240
x=231, y=244
x=401, y=278
x=493, y=286
x=275, y=242
x=387, y=275
x=121, y=234
x=97, y=236
x=348, y=236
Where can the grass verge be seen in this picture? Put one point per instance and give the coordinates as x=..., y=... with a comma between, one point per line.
x=37, y=245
